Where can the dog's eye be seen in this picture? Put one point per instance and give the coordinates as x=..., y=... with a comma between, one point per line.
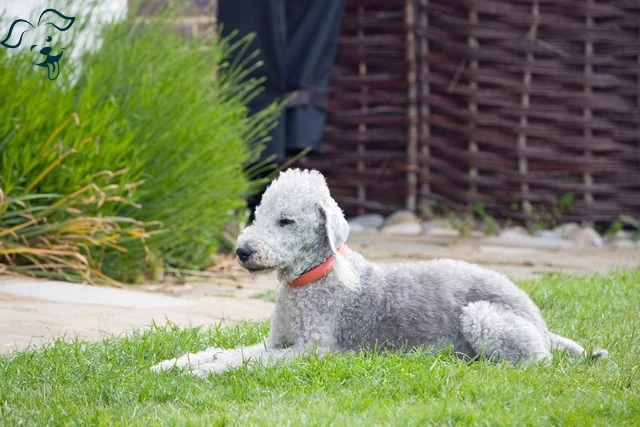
x=285, y=221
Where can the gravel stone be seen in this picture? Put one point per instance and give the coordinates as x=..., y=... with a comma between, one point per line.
x=368, y=220
x=586, y=236
x=403, y=229
x=401, y=217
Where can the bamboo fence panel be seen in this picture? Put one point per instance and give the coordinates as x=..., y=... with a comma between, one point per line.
x=371, y=138
x=512, y=104
x=551, y=89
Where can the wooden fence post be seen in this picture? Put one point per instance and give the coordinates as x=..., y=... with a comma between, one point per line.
x=412, y=108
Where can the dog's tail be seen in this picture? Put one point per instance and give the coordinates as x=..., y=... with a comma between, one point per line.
x=573, y=348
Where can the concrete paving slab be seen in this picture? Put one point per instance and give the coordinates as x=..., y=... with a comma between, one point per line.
x=87, y=294
x=530, y=242
x=34, y=312
x=516, y=261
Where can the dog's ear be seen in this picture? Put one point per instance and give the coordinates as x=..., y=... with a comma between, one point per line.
x=337, y=230
x=336, y=226
x=56, y=19
x=17, y=29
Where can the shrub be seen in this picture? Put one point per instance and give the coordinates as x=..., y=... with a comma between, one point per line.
x=49, y=235
x=163, y=117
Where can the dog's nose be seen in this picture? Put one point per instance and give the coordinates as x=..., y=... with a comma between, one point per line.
x=244, y=252
x=45, y=50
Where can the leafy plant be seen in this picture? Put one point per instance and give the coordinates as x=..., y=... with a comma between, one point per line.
x=626, y=224
x=68, y=248
x=61, y=236
x=630, y=222
x=463, y=224
x=165, y=117
x=615, y=227
x=543, y=217
x=488, y=223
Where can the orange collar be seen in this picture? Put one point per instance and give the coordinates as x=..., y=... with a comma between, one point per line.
x=318, y=272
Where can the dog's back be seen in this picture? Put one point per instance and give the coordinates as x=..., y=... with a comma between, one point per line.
x=420, y=304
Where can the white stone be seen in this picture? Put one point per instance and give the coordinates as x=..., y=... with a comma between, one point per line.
x=437, y=223
x=86, y=294
x=528, y=242
x=368, y=220
x=568, y=229
x=356, y=227
x=547, y=234
x=514, y=231
x=403, y=229
x=442, y=232
x=402, y=217
x=586, y=237
x=623, y=234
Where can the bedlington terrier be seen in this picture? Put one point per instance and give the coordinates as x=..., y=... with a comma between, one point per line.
x=332, y=299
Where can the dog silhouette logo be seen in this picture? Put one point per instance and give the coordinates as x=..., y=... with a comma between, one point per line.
x=40, y=36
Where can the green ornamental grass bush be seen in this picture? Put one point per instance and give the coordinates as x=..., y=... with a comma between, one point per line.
x=164, y=118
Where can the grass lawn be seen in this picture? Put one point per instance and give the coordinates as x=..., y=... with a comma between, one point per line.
x=109, y=382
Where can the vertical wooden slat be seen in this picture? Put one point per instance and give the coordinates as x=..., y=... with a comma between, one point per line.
x=425, y=91
x=364, y=108
x=472, y=42
x=412, y=108
x=587, y=112
x=523, y=163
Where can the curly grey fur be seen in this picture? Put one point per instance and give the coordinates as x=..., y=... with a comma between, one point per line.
x=360, y=304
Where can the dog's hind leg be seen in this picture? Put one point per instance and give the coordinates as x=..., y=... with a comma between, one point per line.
x=257, y=354
x=501, y=334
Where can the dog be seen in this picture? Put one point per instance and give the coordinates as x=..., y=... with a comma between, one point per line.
x=332, y=299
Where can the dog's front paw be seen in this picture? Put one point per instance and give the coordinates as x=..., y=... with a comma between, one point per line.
x=205, y=369
x=165, y=365
x=192, y=360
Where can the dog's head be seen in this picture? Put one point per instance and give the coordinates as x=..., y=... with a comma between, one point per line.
x=297, y=226
x=40, y=39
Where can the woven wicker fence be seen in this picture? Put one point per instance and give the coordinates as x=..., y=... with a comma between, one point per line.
x=365, y=142
x=512, y=104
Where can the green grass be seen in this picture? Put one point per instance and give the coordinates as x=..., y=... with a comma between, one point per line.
x=108, y=382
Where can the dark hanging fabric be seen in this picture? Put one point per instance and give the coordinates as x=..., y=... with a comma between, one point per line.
x=297, y=41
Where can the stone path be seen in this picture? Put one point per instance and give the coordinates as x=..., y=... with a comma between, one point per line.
x=33, y=312
x=521, y=258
